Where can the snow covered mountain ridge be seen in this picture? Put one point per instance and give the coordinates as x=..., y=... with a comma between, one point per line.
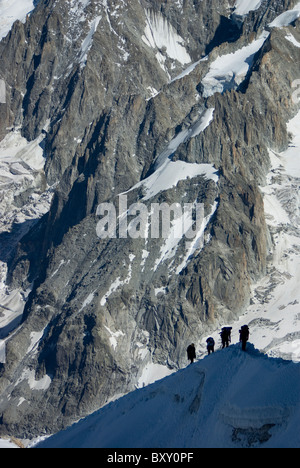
x=106, y=98
x=230, y=399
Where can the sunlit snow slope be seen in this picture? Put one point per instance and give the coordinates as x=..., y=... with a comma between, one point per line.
x=229, y=399
x=12, y=10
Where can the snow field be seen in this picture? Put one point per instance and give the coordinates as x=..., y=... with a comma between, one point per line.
x=230, y=70
x=229, y=399
x=160, y=34
x=11, y=10
x=286, y=18
x=243, y=7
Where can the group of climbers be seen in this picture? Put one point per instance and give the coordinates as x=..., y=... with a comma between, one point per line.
x=225, y=338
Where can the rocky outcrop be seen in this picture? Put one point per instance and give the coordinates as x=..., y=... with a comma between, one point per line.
x=106, y=91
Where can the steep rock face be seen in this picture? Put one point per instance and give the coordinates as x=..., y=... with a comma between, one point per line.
x=103, y=82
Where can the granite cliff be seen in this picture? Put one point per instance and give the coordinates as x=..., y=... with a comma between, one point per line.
x=164, y=102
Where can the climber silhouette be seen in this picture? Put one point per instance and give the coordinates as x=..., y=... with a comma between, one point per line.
x=244, y=336
x=191, y=353
x=210, y=345
x=226, y=336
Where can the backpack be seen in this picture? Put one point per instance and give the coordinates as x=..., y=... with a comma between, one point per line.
x=226, y=332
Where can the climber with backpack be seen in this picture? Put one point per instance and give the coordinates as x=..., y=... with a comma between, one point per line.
x=226, y=336
x=191, y=353
x=210, y=345
x=244, y=336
